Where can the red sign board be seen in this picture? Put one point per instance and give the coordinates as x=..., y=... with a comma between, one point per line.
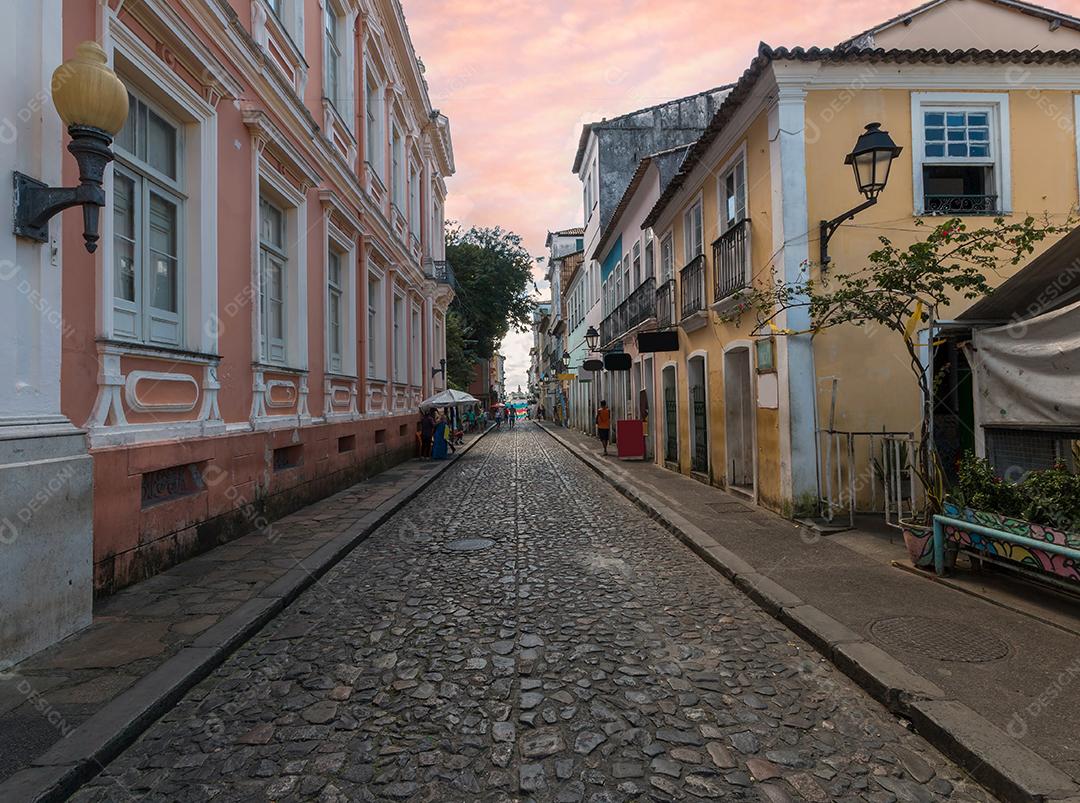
x=630, y=438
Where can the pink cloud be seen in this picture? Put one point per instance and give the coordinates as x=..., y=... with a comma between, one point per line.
x=518, y=78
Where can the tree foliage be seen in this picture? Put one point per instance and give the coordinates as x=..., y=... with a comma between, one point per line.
x=899, y=290
x=494, y=276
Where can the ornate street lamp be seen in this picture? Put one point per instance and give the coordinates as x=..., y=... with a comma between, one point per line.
x=592, y=338
x=93, y=103
x=870, y=159
x=440, y=370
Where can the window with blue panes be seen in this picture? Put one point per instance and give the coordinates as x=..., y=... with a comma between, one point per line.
x=959, y=161
x=956, y=134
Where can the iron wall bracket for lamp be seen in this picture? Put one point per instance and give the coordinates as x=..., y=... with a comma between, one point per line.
x=36, y=202
x=440, y=370
x=829, y=227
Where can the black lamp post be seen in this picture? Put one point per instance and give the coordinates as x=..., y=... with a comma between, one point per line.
x=870, y=160
x=592, y=338
x=93, y=103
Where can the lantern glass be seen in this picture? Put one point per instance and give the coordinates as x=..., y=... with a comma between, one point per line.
x=871, y=159
x=592, y=337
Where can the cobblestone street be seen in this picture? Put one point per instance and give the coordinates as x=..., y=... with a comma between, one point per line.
x=522, y=632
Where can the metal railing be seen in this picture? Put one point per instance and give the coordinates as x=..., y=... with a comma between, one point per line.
x=867, y=472
x=441, y=271
x=665, y=304
x=960, y=204
x=635, y=309
x=700, y=459
x=731, y=260
x=692, y=289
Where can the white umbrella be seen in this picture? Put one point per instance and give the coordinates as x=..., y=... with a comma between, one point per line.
x=448, y=398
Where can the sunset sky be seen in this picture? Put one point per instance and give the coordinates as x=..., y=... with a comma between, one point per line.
x=518, y=78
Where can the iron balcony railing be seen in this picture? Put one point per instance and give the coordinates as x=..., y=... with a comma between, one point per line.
x=731, y=260
x=692, y=290
x=665, y=304
x=960, y=204
x=637, y=308
x=440, y=271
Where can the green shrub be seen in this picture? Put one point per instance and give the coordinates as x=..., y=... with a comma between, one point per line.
x=1050, y=497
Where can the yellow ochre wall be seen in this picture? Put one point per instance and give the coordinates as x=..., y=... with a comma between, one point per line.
x=876, y=386
x=713, y=337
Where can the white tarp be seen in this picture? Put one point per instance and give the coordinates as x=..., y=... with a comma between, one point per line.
x=1028, y=372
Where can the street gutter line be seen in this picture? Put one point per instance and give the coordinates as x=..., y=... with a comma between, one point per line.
x=61, y=770
x=1001, y=764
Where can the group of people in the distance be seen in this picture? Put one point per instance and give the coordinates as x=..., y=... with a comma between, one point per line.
x=443, y=430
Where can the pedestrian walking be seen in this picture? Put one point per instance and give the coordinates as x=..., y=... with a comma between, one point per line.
x=427, y=432
x=603, y=424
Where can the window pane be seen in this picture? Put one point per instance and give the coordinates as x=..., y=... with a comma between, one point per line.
x=980, y=151
x=935, y=150
x=935, y=134
x=979, y=134
x=161, y=145
x=978, y=118
x=163, y=254
x=934, y=118
x=957, y=149
x=954, y=118
x=125, y=140
x=957, y=134
x=124, y=236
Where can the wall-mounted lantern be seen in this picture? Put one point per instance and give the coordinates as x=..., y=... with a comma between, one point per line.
x=871, y=159
x=93, y=103
x=592, y=338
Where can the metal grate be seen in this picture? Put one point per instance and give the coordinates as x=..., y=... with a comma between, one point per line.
x=701, y=434
x=671, y=426
x=1015, y=452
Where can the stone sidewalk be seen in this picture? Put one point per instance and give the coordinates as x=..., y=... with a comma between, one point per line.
x=1001, y=689
x=170, y=630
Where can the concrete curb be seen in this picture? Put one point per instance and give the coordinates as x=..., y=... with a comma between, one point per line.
x=58, y=772
x=998, y=762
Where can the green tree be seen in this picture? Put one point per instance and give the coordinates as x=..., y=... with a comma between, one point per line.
x=493, y=273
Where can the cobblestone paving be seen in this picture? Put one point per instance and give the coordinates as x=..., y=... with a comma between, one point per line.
x=522, y=632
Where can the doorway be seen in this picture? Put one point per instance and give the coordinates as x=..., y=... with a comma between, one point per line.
x=671, y=417
x=699, y=415
x=739, y=415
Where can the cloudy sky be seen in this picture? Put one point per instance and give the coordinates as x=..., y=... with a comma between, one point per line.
x=518, y=78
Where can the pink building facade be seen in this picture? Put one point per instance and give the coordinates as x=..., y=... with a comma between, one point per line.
x=269, y=297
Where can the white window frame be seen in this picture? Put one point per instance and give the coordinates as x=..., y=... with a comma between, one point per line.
x=281, y=193
x=636, y=264
x=997, y=104
x=334, y=61
x=729, y=168
x=144, y=72
x=138, y=319
x=416, y=373
x=399, y=343
x=376, y=324
x=667, y=257
x=689, y=219
x=397, y=167
x=414, y=197
x=374, y=122
x=274, y=349
x=337, y=242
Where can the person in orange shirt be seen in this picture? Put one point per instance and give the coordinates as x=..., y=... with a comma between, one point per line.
x=603, y=424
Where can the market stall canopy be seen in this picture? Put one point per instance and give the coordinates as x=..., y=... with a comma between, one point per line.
x=448, y=398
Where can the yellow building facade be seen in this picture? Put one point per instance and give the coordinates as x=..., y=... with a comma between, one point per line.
x=985, y=132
